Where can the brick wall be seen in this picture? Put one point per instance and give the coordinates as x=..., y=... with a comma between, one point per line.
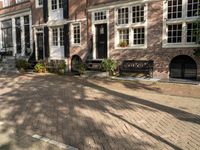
x=37, y=14
x=161, y=56
x=15, y=7
x=1, y=4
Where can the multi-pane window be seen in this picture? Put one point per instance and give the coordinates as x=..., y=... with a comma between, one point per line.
x=60, y=3
x=138, y=13
x=53, y=4
x=191, y=31
x=6, y=30
x=179, y=22
x=40, y=2
x=58, y=36
x=123, y=15
x=139, y=34
x=124, y=36
x=27, y=34
x=174, y=9
x=18, y=34
x=61, y=37
x=76, y=34
x=131, y=26
x=175, y=33
x=193, y=7
x=100, y=15
x=56, y=4
x=55, y=36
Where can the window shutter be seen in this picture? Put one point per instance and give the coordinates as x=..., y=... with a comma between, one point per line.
x=45, y=10
x=66, y=9
x=66, y=40
x=46, y=41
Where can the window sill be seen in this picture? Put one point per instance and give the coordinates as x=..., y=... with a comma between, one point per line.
x=133, y=47
x=180, y=45
x=76, y=45
x=39, y=6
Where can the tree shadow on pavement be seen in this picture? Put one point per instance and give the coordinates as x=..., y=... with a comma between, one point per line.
x=74, y=111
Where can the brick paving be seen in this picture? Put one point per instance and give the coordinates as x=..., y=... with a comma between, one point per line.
x=100, y=114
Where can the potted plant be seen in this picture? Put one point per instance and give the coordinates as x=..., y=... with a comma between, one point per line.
x=21, y=65
x=109, y=66
x=62, y=67
x=40, y=68
x=81, y=68
x=123, y=44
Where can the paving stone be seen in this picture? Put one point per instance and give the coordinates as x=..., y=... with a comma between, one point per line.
x=97, y=114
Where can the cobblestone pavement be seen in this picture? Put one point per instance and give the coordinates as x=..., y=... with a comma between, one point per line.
x=99, y=113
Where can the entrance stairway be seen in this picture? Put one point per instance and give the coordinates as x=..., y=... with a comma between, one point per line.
x=7, y=65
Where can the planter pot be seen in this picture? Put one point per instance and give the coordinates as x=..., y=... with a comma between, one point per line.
x=61, y=71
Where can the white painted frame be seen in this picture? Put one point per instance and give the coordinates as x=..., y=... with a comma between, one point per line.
x=35, y=37
x=131, y=27
x=37, y=4
x=96, y=22
x=184, y=20
x=72, y=34
x=12, y=17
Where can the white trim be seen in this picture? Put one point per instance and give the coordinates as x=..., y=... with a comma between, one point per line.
x=72, y=35
x=184, y=20
x=94, y=22
x=35, y=39
x=131, y=26
x=14, y=36
x=112, y=5
x=37, y=4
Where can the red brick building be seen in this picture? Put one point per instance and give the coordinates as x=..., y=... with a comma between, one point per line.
x=158, y=30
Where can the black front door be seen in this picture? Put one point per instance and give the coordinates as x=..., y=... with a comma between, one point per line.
x=40, y=46
x=101, y=41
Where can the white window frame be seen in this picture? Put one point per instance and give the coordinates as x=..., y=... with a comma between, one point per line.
x=37, y=4
x=72, y=34
x=131, y=27
x=96, y=22
x=57, y=4
x=184, y=20
x=58, y=36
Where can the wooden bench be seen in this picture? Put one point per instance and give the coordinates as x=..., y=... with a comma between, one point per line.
x=137, y=66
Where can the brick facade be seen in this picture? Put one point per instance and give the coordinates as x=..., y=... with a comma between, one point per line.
x=80, y=11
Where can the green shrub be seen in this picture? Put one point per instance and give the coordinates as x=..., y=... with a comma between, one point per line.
x=21, y=64
x=197, y=52
x=62, y=65
x=109, y=65
x=81, y=68
x=40, y=68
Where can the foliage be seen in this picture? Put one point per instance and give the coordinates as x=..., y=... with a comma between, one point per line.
x=109, y=65
x=123, y=44
x=62, y=65
x=40, y=67
x=197, y=52
x=21, y=64
x=197, y=34
x=81, y=68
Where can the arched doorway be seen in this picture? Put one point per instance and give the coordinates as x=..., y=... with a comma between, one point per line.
x=183, y=67
x=74, y=62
